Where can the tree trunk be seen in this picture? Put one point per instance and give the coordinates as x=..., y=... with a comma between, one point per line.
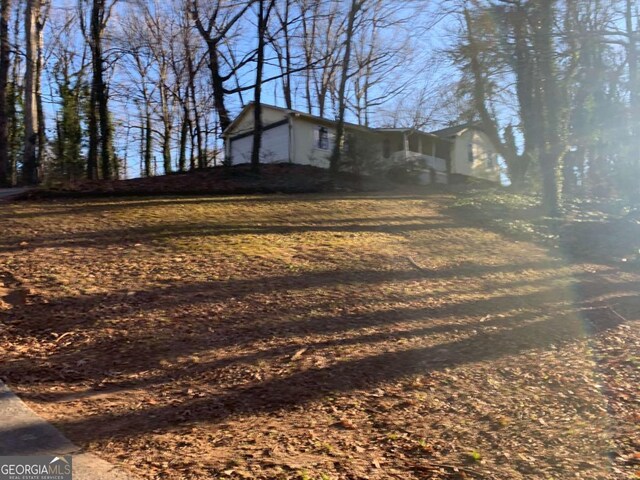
x=308, y=36
x=205, y=142
x=213, y=36
x=105, y=127
x=634, y=87
x=166, y=148
x=148, y=141
x=334, y=161
x=42, y=137
x=100, y=96
x=632, y=59
x=192, y=150
x=257, y=106
x=30, y=158
x=194, y=122
x=95, y=122
x=197, y=120
x=184, y=133
x=516, y=164
x=92, y=154
x=5, y=12
x=286, y=79
x=550, y=193
x=166, y=120
x=217, y=82
x=550, y=146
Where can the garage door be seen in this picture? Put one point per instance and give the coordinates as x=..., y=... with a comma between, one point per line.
x=275, y=146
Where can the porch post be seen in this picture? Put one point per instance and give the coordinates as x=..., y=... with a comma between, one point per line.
x=406, y=144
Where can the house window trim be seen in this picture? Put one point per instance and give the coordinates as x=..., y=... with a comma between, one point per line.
x=322, y=138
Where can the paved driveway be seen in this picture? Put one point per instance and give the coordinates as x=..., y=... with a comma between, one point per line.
x=25, y=433
x=6, y=193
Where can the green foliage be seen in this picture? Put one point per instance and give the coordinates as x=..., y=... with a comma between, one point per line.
x=488, y=198
x=475, y=456
x=577, y=117
x=360, y=154
x=69, y=162
x=596, y=228
x=423, y=443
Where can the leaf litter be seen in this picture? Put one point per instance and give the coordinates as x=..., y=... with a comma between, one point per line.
x=331, y=336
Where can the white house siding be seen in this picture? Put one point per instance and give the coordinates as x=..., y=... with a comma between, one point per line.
x=269, y=116
x=274, y=148
x=304, y=148
x=295, y=139
x=485, y=163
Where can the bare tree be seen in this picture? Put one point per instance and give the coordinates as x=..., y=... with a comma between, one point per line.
x=5, y=63
x=100, y=134
x=158, y=25
x=34, y=24
x=378, y=77
x=66, y=62
x=327, y=48
x=473, y=54
x=181, y=61
x=221, y=19
x=356, y=6
x=309, y=22
x=262, y=22
x=281, y=38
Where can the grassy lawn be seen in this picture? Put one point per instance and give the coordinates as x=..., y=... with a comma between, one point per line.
x=318, y=337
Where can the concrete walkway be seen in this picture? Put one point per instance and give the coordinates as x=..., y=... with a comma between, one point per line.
x=8, y=193
x=22, y=432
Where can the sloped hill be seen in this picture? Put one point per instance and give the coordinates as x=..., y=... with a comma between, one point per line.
x=239, y=179
x=342, y=336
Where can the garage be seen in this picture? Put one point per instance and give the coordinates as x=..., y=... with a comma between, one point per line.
x=275, y=145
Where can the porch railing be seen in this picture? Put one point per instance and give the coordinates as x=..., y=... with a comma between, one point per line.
x=426, y=161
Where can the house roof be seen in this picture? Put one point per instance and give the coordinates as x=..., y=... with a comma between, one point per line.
x=294, y=113
x=444, y=133
x=454, y=130
x=405, y=130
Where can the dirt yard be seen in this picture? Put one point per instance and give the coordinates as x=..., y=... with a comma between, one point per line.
x=317, y=337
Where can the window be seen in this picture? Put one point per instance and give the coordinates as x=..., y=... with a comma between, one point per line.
x=386, y=148
x=470, y=152
x=322, y=138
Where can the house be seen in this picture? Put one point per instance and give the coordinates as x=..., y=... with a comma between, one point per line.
x=298, y=137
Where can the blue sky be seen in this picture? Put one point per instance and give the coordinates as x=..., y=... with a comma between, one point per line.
x=422, y=74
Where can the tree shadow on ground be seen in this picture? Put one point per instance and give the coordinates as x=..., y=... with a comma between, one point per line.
x=511, y=324
x=166, y=231
x=128, y=340
x=346, y=376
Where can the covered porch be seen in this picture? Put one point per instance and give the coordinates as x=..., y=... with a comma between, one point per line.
x=425, y=150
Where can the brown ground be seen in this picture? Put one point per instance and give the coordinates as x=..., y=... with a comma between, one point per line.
x=317, y=337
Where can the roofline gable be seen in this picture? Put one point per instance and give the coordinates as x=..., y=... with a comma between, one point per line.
x=227, y=131
x=315, y=118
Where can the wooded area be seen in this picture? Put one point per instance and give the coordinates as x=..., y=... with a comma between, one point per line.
x=104, y=89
